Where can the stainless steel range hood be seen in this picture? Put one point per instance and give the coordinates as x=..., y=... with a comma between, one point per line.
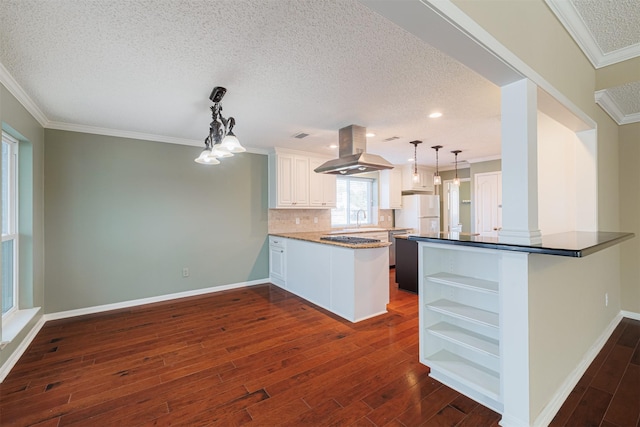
x=353, y=157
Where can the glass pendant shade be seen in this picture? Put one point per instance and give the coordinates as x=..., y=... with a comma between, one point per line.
x=437, y=179
x=456, y=181
x=416, y=177
x=220, y=152
x=231, y=143
x=205, y=158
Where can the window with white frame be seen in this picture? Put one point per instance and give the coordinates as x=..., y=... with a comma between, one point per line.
x=9, y=225
x=354, y=200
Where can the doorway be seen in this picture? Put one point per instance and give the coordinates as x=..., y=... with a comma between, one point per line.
x=457, y=206
x=488, y=203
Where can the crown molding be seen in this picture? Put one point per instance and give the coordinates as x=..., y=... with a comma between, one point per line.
x=16, y=90
x=610, y=106
x=575, y=26
x=121, y=133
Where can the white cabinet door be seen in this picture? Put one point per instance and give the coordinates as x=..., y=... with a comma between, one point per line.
x=277, y=261
x=291, y=181
x=322, y=186
x=391, y=188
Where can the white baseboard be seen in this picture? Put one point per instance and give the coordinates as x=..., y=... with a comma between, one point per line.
x=16, y=355
x=552, y=408
x=630, y=314
x=150, y=300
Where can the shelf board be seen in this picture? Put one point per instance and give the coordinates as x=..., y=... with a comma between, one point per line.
x=464, y=282
x=465, y=312
x=466, y=338
x=474, y=376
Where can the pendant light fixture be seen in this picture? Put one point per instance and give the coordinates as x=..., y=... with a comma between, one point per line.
x=437, y=179
x=416, y=177
x=456, y=180
x=221, y=141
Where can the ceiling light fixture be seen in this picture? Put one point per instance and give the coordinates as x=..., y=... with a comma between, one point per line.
x=435, y=115
x=437, y=179
x=456, y=180
x=416, y=177
x=221, y=141
x=370, y=135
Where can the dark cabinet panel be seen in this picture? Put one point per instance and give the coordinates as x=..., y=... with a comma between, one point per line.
x=407, y=265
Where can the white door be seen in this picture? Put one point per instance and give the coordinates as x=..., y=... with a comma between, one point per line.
x=453, y=192
x=488, y=203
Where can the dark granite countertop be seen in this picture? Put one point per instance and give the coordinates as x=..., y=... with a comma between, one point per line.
x=572, y=244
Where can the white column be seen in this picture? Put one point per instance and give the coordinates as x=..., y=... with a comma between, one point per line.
x=514, y=339
x=520, y=163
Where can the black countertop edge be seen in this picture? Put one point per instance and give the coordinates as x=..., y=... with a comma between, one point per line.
x=574, y=244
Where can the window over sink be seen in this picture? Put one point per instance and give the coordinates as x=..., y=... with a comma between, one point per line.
x=354, y=201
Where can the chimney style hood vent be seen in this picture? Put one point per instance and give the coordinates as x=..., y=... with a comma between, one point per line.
x=353, y=157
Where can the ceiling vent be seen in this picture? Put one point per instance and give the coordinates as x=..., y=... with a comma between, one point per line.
x=393, y=138
x=300, y=135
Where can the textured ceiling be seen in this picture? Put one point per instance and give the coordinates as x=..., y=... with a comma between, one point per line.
x=289, y=66
x=614, y=24
x=608, y=32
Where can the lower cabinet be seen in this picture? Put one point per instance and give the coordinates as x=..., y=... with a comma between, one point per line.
x=277, y=261
x=352, y=283
x=460, y=321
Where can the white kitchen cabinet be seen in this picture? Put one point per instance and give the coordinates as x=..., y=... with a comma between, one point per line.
x=390, y=185
x=322, y=186
x=460, y=320
x=425, y=179
x=294, y=184
x=278, y=261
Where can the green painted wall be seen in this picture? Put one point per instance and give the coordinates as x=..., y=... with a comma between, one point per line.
x=123, y=217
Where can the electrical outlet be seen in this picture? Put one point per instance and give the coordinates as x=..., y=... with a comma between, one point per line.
x=297, y=221
x=606, y=299
x=381, y=218
x=185, y=272
x=389, y=218
x=315, y=219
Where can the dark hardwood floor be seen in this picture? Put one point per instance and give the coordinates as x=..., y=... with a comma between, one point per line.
x=261, y=356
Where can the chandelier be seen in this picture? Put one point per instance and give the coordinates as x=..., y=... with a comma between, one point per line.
x=221, y=141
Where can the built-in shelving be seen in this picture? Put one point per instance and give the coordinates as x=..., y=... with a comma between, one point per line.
x=460, y=320
x=465, y=312
x=478, y=377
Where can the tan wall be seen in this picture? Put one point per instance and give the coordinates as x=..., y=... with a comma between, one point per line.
x=532, y=32
x=630, y=215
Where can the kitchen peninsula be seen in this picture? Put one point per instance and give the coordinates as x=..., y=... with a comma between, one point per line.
x=494, y=316
x=348, y=279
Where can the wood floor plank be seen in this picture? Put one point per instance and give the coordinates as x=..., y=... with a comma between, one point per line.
x=591, y=409
x=609, y=375
x=624, y=409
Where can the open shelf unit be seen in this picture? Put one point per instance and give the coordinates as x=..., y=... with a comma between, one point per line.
x=460, y=320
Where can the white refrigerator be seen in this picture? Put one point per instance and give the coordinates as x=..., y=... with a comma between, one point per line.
x=420, y=212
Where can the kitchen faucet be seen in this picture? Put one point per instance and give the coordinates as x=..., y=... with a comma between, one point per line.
x=364, y=216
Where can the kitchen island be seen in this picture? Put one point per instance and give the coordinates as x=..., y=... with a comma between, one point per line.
x=511, y=325
x=347, y=279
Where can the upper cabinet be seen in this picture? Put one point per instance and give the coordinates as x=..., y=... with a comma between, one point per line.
x=425, y=179
x=390, y=185
x=322, y=186
x=294, y=184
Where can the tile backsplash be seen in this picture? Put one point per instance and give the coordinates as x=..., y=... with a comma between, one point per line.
x=294, y=220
